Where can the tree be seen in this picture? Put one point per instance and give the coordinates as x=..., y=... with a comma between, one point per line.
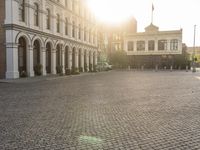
x=119, y=59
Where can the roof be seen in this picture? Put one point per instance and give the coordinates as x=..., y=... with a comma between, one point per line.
x=151, y=28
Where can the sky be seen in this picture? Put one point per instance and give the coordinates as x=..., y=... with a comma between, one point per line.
x=167, y=14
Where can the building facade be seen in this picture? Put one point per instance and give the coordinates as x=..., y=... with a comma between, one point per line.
x=116, y=34
x=153, y=47
x=50, y=34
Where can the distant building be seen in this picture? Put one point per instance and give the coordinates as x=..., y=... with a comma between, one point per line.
x=153, y=47
x=191, y=50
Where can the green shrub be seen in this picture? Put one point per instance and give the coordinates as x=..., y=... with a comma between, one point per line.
x=23, y=74
x=81, y=69
x=90, y=68
x=38, y=69
x=75, y=71
x=86, y=67
x=59, y=69
x=68, y=71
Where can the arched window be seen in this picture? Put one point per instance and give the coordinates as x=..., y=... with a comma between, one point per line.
x=66, y=26
x=58, y=23
x=73, y=29
x=48, y=19
x=79, y=31
x=89, y=35
x=22, y=10
x=85, y=32
x=36, y=14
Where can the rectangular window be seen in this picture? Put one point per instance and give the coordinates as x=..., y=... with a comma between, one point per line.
x=174, y=44
x=151, y=45
x=140, y=45
x=130, y=46
x=162, y=45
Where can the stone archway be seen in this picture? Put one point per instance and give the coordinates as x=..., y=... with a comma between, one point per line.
x=80, y=60
x=73, y=58
x=85, y=61
x=48, y=57
x=36, y=58
x=67, y=57
x=59, y=58
x=22, y=57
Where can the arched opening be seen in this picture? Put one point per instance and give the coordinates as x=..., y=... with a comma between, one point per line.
x=85, y=61
x=36, y=58
x=58, y=59
x=22, y=67
x=94, y=61
x=90, y=61
x=48, y=58
x=79, y=61
x=67, y=57
x=73, y=58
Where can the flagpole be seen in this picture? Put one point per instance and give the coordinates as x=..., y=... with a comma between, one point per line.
x=152, y=13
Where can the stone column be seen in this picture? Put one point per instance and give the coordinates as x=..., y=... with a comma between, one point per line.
x=146, y=46
x=82, y=33
x=70, y=58
x=95, y=58
x=53, y=61
x=43, y=61
x=11, y=16
x=87, y=60
x=30, y=70
x=63, y=60
x=168, y=45
x=156, y=45
x=82, y=59
x=91, y=60
x=12, y=61
x=70, y=28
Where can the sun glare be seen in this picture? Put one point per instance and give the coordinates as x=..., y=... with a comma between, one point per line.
x=111, y=11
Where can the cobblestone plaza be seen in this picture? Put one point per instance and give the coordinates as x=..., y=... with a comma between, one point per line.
x=120, y=110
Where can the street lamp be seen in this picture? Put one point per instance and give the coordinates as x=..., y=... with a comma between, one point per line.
x=193, y=62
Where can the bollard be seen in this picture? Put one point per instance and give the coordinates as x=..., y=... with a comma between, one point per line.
x=165, y=68
x=129, y=68
x=186, y=68
x=142, y=68
x=156, y=68
x=171, y=68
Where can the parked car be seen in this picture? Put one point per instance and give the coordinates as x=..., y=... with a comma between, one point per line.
x=103, y=66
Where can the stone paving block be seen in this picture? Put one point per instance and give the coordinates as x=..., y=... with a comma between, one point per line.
x=107, y=111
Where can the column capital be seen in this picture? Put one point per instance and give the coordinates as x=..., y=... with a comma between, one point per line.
x=12, y=45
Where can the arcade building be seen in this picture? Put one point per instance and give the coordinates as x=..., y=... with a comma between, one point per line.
x=48, y=34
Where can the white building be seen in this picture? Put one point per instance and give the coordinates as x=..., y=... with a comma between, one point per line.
x=153, y=47
x=50, y=33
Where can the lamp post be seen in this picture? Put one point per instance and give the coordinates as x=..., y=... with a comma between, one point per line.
x=193, y=58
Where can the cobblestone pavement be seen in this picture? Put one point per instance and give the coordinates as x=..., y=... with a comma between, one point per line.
x=117, y=110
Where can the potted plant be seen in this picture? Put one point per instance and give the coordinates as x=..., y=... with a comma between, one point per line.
x=81, y=69
x=23, y=74
x=59, y=70
x=86, y=67
x=90, y=68
x=75, y=71
x=95, y=68
x=68, y=71
x=38, y=69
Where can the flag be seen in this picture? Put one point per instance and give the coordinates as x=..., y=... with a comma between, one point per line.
x=152, y=7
